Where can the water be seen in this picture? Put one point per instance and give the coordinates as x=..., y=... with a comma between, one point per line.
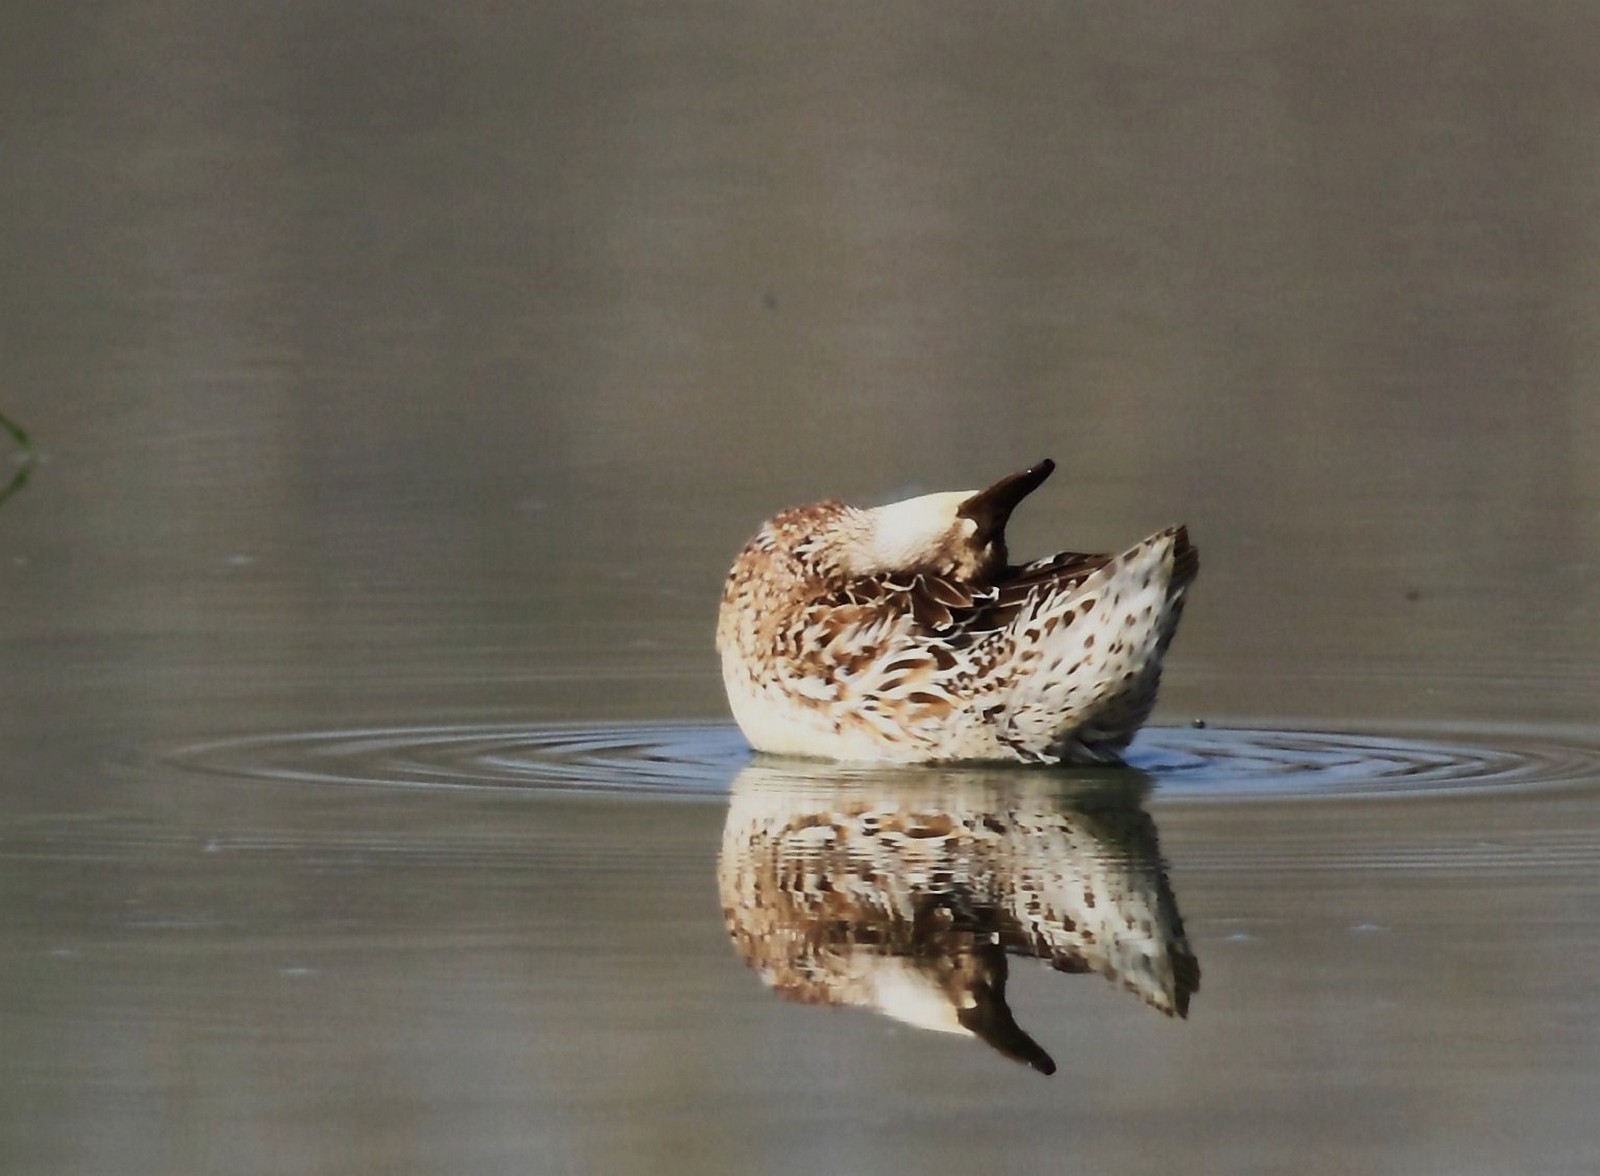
x=668, y=759
x=401, y=383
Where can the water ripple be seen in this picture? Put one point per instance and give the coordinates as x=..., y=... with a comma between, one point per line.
x=667, y=758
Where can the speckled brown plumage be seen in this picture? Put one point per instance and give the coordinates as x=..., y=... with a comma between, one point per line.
x=905, y=634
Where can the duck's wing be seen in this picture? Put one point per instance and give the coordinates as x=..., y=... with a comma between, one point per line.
x=954, y=610
x=1053, y=573
x=901, y=653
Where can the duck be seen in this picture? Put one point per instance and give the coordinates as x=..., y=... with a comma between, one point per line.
x=904, y=634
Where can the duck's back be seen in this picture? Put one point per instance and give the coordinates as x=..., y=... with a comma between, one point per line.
x=1058, y=659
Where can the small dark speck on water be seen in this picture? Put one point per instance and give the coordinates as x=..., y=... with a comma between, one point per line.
x=1198, y=724
x=1413, y=594
x=769, y=300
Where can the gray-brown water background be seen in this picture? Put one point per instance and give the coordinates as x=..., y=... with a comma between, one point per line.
x=414, y=367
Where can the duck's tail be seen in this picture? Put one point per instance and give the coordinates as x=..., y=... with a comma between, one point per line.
x=1092, y=653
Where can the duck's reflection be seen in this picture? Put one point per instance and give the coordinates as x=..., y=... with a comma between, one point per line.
x=905, y=892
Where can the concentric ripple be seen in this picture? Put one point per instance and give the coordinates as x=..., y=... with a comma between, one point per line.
x=667, y=759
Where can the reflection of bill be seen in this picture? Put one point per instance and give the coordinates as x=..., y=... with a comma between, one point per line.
x=904, y=892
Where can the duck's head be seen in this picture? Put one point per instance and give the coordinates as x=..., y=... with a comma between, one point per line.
x=961, y=534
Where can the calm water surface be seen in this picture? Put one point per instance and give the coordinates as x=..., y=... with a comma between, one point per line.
x=403, y=379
